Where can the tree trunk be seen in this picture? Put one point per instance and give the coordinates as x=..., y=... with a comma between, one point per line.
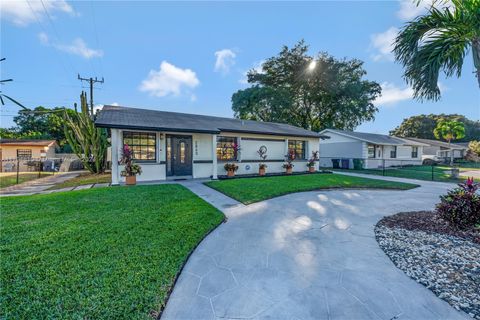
x=476, y=57
x=451, y=152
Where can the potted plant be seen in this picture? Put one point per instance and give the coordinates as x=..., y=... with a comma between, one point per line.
x=311, y=162
x=131, y=168
x=262, y=152
x=288, y=165
x=230, y=168
x=261, y=169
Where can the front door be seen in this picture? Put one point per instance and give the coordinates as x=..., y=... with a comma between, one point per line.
x=181, y=155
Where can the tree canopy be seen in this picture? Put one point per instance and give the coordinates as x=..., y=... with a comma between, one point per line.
x=422, y=126
x=449, y=130
x=313, y=92
x=439, y=41
x=39, y=123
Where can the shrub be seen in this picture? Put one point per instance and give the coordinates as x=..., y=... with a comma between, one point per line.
x=230, y=167
x=131, y=168
x=461, y=206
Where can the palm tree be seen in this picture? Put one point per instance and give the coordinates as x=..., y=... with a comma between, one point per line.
x=439, y=40
x=449, y=130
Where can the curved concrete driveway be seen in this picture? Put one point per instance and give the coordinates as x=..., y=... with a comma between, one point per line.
x=308, y=255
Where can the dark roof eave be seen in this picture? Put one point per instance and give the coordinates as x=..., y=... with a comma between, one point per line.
x=103, y=125
x=111, y=126
x=272, y=133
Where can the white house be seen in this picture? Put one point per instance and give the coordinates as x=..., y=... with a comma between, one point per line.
x=170, y=145
x=371, y=150
x=440, y=150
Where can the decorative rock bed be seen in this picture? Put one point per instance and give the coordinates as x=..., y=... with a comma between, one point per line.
x=445, y=260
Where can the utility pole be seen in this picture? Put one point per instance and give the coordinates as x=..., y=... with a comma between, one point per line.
x=91, y=81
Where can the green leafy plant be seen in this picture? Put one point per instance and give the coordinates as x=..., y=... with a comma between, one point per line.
x=289, y=157
x=262, y=153
x=88, y=142
x=439, y=40
x=230, y=167
x=313, y=159
x=461, y=206
x=473, y=152
x=131, y=168
x=449, y=130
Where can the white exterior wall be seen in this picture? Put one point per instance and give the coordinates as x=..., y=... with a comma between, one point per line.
x=204, y=155
x=339, y=146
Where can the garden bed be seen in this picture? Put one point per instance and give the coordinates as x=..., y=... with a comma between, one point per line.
x=274, y=174
x=435, y=254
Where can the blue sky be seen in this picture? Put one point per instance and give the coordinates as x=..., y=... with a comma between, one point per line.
x=192, y=56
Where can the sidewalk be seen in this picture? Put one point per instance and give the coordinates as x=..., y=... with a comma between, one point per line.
x=38, y=185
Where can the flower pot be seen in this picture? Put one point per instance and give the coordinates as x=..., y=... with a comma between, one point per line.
x=311, y=169
x=289, y=170
x=261, y=171
x=230, y=173
x=130, y=180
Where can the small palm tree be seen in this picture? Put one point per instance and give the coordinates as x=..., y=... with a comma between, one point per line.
x=449, y=130
x=439, y=40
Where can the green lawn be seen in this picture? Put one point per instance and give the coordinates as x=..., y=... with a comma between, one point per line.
x=11, y=179
x=100, y=253
x=84, y=178
x=250, y=190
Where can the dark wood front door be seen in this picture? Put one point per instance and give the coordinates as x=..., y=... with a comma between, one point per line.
x=181, y=155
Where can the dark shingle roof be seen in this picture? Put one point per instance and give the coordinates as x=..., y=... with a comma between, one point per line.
x=144, y=119
x=437, y=143
x=26, y=142
x=375, y=138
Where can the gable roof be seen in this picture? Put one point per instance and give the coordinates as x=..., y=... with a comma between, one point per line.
x=144, y=119
x=27, y=142
x=375, y=138
x=442, y=144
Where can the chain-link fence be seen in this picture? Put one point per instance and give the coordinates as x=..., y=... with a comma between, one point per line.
x=409, y=168
x=18, y=170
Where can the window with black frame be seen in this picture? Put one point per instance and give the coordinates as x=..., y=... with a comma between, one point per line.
x=414, y=152
x=24, y=153
x=371, y=151
x=142, y=144
x=298, y=147
x=226, y=148
x=393, y=153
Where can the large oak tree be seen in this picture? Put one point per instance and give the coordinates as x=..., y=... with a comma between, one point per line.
x=422, y=126
x=311, y=92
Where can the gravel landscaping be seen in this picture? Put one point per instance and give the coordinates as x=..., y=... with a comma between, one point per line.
x=443, y=259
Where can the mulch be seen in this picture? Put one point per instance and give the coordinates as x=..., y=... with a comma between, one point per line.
x=430, y=222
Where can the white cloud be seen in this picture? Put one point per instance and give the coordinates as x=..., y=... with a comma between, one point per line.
x=409, y=9
x=169, y=79
x=383, y=44
x=22, y=13
x=392, y=94
x=225, y=59
x=43, y=37
x=77, y=47
x=257, y=66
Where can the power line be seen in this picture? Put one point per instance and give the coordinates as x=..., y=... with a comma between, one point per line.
x=62, y=61
x=95, y=30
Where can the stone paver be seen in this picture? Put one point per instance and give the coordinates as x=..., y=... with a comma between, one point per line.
x=308, y=255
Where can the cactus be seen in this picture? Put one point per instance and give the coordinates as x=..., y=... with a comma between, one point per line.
x=88, y=142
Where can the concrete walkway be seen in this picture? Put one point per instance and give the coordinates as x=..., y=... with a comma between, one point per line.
x=308, y=255
x=37, y=185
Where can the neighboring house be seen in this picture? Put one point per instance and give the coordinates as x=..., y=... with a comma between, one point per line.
x=13, y=149
x=440, y=150
x=170, y=145
x=372, y=150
